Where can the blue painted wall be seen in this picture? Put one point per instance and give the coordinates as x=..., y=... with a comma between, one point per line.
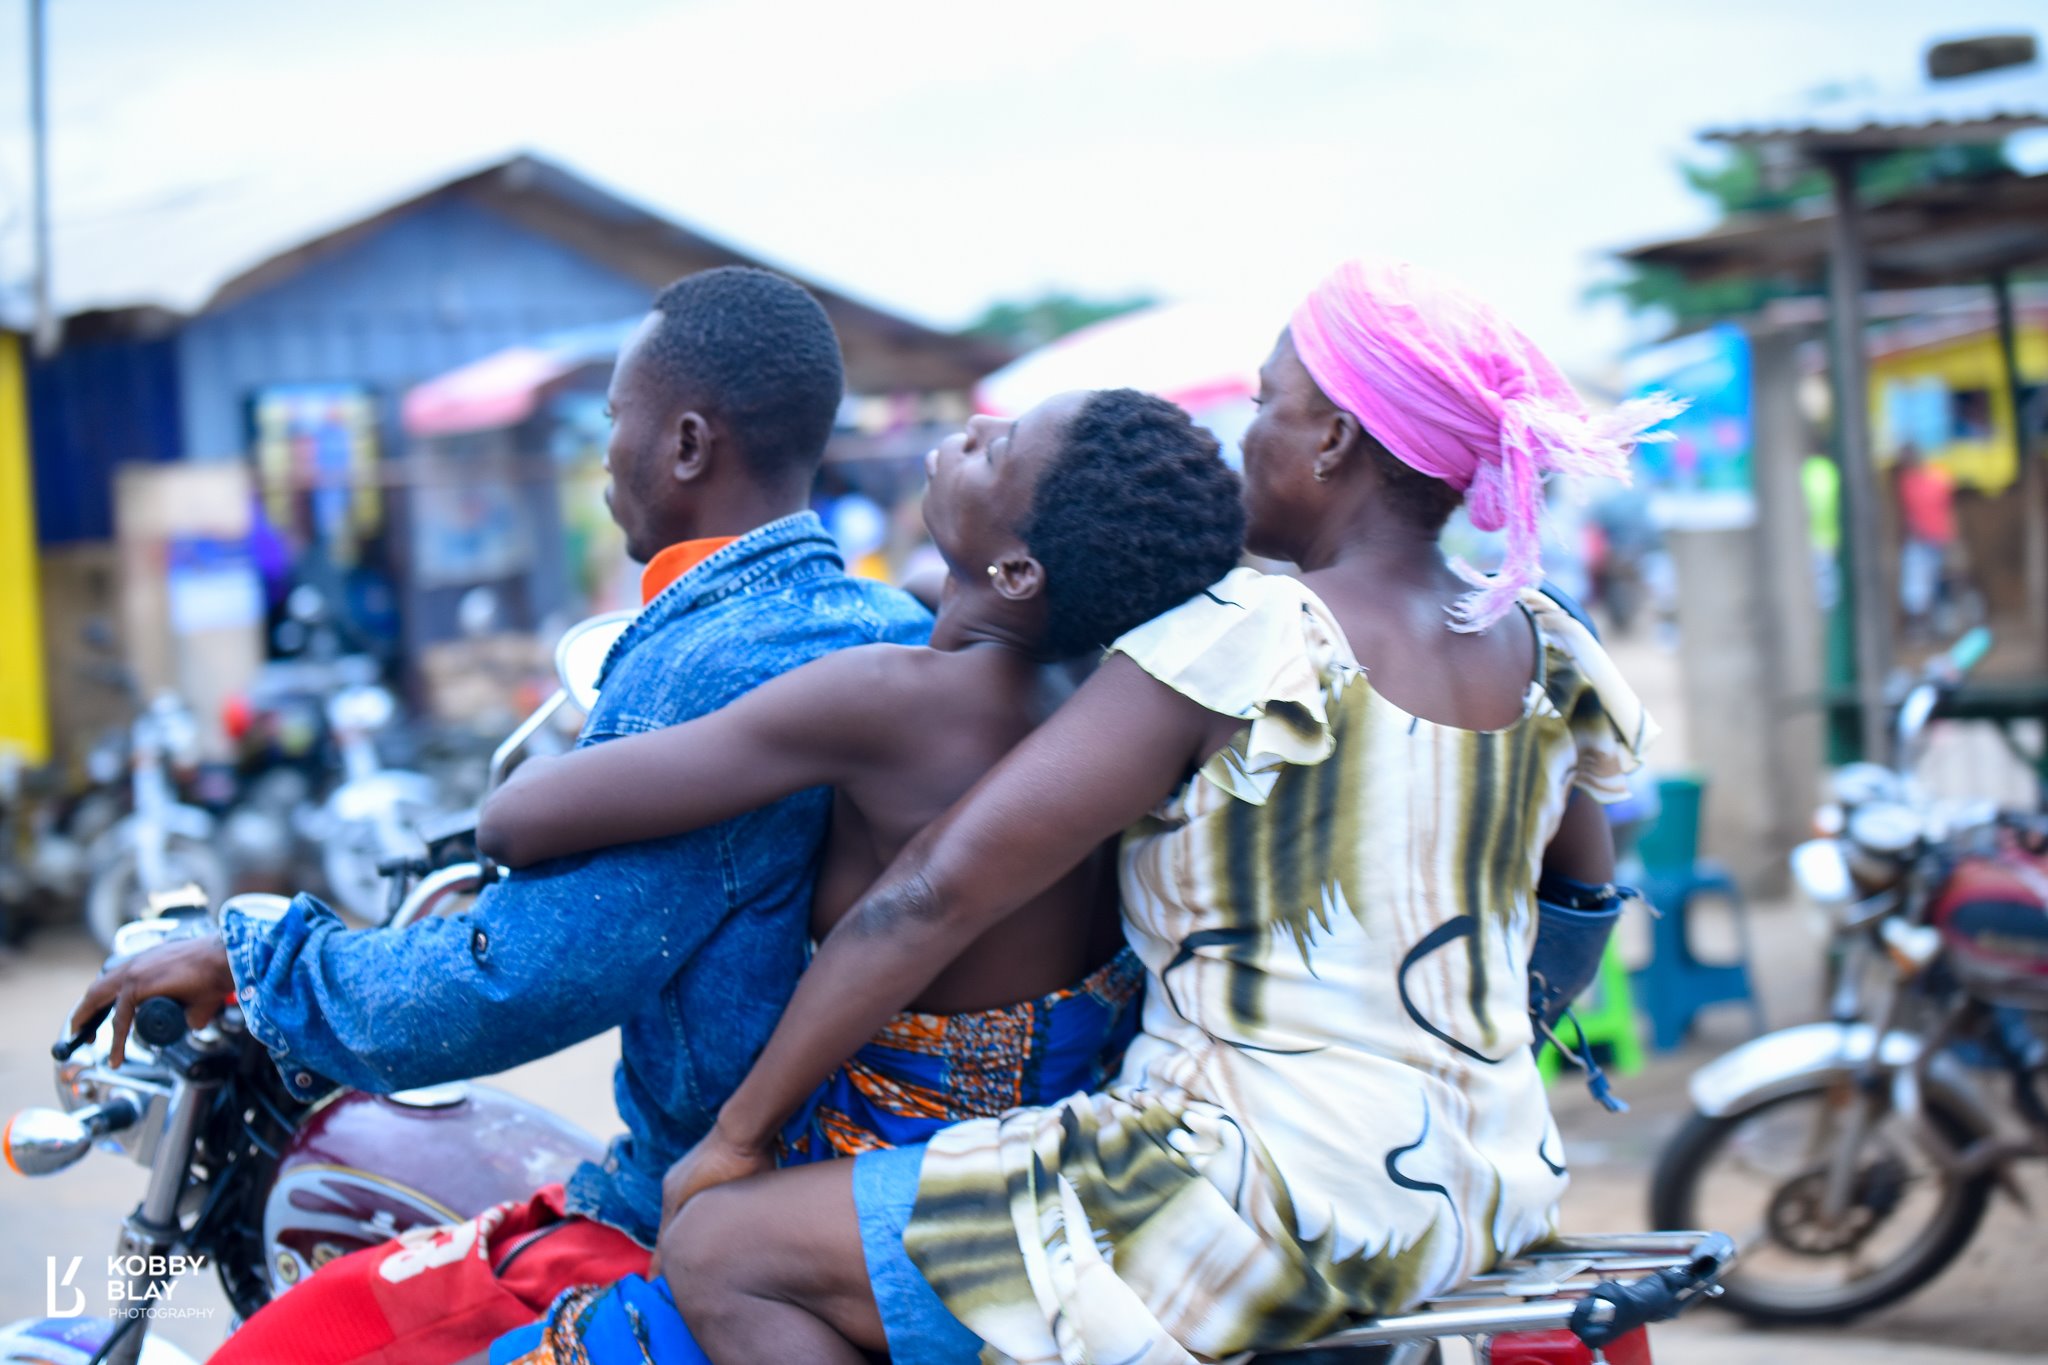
x=446, y=284
x=93, y=406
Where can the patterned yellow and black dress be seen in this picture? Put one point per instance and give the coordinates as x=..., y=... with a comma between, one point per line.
x=1332, y=1108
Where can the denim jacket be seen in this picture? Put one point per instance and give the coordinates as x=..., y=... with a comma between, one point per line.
x=691, y=945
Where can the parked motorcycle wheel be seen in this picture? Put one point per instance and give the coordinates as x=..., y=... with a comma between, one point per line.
x=1788, y=1237
x=117, y=895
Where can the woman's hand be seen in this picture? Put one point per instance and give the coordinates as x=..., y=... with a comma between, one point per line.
x=716, y=1160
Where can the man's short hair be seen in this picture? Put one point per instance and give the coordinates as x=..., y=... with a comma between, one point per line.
x=757, y=352
x=1136, y=514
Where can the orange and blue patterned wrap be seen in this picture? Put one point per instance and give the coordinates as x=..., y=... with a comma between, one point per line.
x=923, y=1072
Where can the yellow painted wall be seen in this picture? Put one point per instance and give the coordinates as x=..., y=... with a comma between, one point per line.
x=24, y=717
x=1971, y=362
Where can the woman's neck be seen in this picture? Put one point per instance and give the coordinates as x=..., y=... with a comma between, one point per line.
x=1385, y=548
x=966, y=619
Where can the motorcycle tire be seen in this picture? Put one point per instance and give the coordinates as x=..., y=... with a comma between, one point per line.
x=1674, y=1203
x=116, y=894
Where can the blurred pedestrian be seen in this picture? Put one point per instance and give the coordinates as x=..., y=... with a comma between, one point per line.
x=1820, y=480
x=1927, y=523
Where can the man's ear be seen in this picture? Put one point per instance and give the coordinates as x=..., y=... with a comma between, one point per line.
x=692, y=452
x=1018, y=577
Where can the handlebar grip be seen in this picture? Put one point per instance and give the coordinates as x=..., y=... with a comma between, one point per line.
x=160, y=1021
x=1969, y=651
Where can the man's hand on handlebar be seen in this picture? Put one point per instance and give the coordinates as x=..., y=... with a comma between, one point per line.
x=193, y=971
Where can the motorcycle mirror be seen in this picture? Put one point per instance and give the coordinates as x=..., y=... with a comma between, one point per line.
x=45, y=1141
x=582, y=650
x=476, y=614
x=1914, y=714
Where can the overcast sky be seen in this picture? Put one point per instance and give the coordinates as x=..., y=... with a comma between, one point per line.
x=933, y=156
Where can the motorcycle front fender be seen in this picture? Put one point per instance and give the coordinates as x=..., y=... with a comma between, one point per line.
x=65, y=1341
x=1795, y=1059
x=189, y=822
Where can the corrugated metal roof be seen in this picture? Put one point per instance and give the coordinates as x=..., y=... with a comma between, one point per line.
x=1952, y=231
x=1983, y=107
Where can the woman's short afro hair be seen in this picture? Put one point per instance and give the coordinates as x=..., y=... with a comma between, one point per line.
x=1136, y=514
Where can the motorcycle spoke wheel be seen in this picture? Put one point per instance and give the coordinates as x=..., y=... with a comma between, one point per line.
x=1765, y=1170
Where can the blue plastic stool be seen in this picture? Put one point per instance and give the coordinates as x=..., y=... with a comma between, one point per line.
x=1675, y=985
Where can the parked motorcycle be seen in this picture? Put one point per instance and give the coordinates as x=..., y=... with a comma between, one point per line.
x=267, y=1189
x=1859, y=1155
x=162, y=843
x=264, y=1188
x=39, y=862
x=371, y=815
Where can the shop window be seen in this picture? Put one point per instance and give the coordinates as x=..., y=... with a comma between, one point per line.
x=1970, y=415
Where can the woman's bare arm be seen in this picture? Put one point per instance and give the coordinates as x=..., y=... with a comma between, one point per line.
x=809, y=727
x=1111, y=753
x=1583, y=847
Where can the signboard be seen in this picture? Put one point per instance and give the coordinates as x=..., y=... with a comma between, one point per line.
x=316, y=452
x=1702, y=478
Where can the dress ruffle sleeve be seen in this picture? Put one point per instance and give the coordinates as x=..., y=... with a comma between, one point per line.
x=1609, y=723
x=1261, y=647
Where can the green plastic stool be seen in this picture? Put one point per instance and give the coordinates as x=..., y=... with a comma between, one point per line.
x=1607, y=1013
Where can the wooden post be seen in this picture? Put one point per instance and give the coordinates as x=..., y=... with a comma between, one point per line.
x=2028, y=485
x=1847, y=279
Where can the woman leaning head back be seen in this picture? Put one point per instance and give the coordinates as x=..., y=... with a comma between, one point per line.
x=1393, y=368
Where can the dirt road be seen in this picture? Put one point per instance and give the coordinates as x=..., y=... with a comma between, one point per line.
x=1988, y=1307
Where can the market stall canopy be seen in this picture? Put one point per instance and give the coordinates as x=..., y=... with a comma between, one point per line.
x=508, y=386
x=1201, y=355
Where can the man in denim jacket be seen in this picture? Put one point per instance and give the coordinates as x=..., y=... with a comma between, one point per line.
x=722, y=403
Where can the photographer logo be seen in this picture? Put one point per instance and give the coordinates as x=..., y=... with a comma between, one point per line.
x=77, y=1304
x=136, y=1286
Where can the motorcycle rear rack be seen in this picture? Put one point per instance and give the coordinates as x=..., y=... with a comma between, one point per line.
x=1547, y=1288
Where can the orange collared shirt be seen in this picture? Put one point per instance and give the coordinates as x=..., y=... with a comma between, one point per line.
x=677, y=560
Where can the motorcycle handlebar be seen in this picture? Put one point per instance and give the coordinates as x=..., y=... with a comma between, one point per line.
x=1969, y=651
x=160, y=1021
x=1612, y=1309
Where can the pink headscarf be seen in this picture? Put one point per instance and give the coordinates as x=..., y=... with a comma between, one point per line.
x=1453, y=389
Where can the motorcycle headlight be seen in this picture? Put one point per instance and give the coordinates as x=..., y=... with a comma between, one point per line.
x=362, y=709
x=1885, y=828
x=1821, y=870
x=1861, y=784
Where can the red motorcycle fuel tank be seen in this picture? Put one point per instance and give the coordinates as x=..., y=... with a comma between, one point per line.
x=1993, y=915
x=363, y=1168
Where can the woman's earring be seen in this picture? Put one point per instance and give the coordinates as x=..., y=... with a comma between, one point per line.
x=1322, y=476
x=994, y=572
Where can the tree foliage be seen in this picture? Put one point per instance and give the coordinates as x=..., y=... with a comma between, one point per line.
x=1029, y=323
x=1745, y=183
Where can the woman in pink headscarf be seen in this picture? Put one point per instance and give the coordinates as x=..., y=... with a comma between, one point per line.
x=1336, y=795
